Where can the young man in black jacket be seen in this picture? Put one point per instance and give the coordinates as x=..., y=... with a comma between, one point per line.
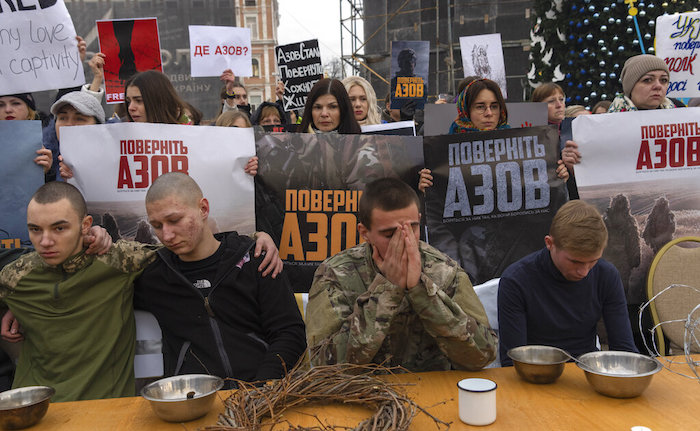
x=218, y=314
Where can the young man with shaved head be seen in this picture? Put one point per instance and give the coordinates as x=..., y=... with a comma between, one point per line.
x=557, y=295
x=76, y=309
x=395, y=300
x=218, y=314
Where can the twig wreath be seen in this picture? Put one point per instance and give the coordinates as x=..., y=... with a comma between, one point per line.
x=342, y=383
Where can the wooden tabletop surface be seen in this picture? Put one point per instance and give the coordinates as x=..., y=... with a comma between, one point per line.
x=671, y=402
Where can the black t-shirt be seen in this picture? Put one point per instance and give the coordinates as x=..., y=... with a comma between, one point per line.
x=202, y=273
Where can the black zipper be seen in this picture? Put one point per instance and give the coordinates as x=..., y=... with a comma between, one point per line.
x=216, y=331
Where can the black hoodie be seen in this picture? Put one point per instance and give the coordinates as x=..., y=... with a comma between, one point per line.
x=243, y=329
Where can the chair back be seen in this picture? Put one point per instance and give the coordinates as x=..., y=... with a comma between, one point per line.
x=488, y=295
x=148, y=360
x=678, y=262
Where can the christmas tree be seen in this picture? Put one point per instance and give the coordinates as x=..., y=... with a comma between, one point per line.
x=583, y=44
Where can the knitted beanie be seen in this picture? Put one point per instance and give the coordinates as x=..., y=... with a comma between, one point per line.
x=636, y=67
x=26, y=98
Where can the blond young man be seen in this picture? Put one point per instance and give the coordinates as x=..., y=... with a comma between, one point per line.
x=556, y=296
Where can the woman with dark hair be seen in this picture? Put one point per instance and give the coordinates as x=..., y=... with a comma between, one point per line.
x=480, y=106
x=149, y=97
x=328, y=109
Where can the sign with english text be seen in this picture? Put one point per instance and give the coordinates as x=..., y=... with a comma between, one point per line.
x=493, y=196
x=130, y=46
x=214, y=49
x=678, y=44
x=38, y=49
x=309, y=186
x=642, y=170
x=21, y=177
x=299, y=66
x=115, y=164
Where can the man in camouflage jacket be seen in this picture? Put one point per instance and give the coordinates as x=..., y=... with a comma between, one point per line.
x=76, y=309
x=396, y=300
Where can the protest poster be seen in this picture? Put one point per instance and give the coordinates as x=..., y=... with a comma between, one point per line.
x=641, y=170
x=482, y=56
x=439, y=118
x=493, y=196
x=409, y=73
x=21, y=177
x=115, y=164
x=403, y=128
x=38, y=49
x=677, y=39
x=299, y=66
x=130, y=46
x=308, y=189
x=214, y=49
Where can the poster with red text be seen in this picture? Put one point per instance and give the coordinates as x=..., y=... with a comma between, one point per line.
x=642, y=170
x=214, y=49
x=130, y=46
x=115, y=164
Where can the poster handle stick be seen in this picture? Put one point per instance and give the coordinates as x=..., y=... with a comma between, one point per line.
x=363, y=64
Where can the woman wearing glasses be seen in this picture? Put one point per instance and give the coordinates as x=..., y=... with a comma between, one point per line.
x=480, y=106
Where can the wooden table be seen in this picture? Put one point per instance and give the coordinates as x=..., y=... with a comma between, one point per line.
x=671, y=402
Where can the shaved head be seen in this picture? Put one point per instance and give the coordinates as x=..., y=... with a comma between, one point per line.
x=55, y=191
x=175, y=184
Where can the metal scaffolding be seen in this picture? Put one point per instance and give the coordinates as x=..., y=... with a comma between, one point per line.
x=350, y=15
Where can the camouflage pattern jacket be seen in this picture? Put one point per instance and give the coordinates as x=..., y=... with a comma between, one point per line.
x=356, y=315
x=78, y=320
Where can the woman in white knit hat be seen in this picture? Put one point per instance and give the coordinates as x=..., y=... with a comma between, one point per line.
x=645, y=80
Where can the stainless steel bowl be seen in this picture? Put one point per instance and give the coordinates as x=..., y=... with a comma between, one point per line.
x=182, y=398
x=618, y=374
x=538, y=364
x=23, y=407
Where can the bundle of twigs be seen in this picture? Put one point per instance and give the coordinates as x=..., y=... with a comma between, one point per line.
x=353, y=384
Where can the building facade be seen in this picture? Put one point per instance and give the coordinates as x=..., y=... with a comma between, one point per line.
x=262, y=18
x=442, y=22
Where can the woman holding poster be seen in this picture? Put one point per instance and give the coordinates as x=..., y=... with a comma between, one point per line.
x=149, y=97
x=363, y=99
x=328, y=109
x=645, y=80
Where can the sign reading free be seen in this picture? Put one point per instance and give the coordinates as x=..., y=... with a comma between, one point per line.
x=214, y=49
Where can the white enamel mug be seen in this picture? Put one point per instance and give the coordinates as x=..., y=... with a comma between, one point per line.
x=477, y=401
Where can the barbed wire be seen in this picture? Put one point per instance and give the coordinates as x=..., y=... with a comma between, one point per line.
x=690, y=338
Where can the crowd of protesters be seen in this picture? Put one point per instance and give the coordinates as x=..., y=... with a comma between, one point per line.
x=332, y=106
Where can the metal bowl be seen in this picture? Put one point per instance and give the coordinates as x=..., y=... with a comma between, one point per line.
x=618, y=374
x=182, y=398
x=23, y=407
x=538, y=364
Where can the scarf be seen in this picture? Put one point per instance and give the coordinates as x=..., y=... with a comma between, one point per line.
x=622, y=103
x=463, y=123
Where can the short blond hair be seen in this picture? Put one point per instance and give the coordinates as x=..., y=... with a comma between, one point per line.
x=579, y=228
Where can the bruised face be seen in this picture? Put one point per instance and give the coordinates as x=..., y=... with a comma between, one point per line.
x=69, y=116
x=13, y=108
x=358, y=98
x=573, y=266
x=56, y=230
x=179, y=224
x=650, y=91
x=135, y=105
x=325, y=113
x=385, y=223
